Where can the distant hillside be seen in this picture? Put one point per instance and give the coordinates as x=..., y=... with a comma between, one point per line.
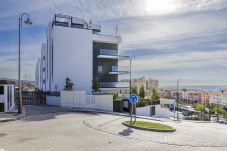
x=23, y=81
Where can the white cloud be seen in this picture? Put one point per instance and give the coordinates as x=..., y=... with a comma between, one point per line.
x=180, y=24
x=182, y=61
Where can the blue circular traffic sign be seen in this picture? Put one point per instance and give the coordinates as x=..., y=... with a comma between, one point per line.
x=133, y=98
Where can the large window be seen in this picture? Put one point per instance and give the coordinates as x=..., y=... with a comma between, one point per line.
x=1, y=90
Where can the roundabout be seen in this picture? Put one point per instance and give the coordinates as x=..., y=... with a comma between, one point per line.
x=188, y=134
x=86, y=131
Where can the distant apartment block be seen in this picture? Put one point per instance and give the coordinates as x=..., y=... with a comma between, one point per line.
x=77, y=49
x=148, y=84
x=219, y=97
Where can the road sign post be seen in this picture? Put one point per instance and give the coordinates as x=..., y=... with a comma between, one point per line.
x=133, y=99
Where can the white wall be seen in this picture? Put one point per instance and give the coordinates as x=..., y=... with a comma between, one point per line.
x=159, y=112
x=3, y=98
x=79, y=99
x=73, y=57
x=143, y=111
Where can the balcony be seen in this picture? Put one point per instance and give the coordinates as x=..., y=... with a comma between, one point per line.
x=95, y=27
x=114, y=84
x=119, y=70
x=110, y=54
x=74, y=22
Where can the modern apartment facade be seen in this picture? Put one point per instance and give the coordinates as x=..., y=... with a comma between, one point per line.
x=78, y=49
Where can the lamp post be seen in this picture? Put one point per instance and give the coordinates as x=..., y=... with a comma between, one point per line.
x=178, y=81
x=204, y=104
x=130, y=82
x=28, y=22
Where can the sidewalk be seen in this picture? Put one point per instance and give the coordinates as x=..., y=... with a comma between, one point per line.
x=10, y=116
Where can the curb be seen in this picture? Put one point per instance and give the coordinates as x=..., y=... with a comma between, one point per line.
x=148, y=129
x=7, y=120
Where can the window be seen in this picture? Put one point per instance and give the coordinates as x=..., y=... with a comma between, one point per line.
x=99, y=69
x=1, y=90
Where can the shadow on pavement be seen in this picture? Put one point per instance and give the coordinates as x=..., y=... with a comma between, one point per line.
x=126, y=132
x=49, y=116
x=41, y=113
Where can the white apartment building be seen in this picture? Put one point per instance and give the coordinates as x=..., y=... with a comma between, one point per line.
x=37, y=74
x=78, y=49
x=217, y=98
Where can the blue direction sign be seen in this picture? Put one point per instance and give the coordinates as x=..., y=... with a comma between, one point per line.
x=133, y=98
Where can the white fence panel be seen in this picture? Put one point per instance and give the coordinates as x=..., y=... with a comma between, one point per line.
x=79, y=99
x=90, y=102
x=67, y=99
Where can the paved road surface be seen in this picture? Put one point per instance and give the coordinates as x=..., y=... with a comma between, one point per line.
x=77, y=131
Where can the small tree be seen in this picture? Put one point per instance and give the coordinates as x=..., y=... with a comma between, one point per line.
x=95, y=84
x=134, y=90
x=68, y=84
x=154, y=96
x=199, y=107
x=219, y=109
x=142, y=92
x=115, y=96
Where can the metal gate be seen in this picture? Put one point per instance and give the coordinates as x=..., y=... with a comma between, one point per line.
x=32, y=98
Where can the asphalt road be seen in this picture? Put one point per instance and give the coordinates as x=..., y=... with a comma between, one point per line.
x=77, y=131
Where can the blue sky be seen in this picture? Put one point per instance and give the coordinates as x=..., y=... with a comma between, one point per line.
x=171, y=39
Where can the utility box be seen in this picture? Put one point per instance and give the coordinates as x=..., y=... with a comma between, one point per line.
x=7, y=96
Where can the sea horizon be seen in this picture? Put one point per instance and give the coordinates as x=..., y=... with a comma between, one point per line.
x=205, y=88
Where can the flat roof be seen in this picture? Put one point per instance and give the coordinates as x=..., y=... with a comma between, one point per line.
x=6, y=82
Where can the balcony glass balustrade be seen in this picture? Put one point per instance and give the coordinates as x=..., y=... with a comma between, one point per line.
x=110, y=54
x=113, y=84
x=119, y=70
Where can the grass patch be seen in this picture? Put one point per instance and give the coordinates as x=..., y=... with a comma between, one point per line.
x=150, y=125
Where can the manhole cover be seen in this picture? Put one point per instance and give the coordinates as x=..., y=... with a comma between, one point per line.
x=2, y=134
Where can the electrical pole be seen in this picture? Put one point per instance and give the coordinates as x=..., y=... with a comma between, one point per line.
x=204, y=106
x=178, y=81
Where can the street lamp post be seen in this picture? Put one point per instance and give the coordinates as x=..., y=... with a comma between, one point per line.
x=130, y=81
x=204, y=104
x=178, y=81
x=28, y=22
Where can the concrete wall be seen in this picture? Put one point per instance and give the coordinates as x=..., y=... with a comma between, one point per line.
x=79, y=99
x=159, y=111
x=143, y=111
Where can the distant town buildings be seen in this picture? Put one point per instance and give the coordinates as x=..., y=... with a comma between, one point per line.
x=188, y=95
x=148, y=84
x=219, y=97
